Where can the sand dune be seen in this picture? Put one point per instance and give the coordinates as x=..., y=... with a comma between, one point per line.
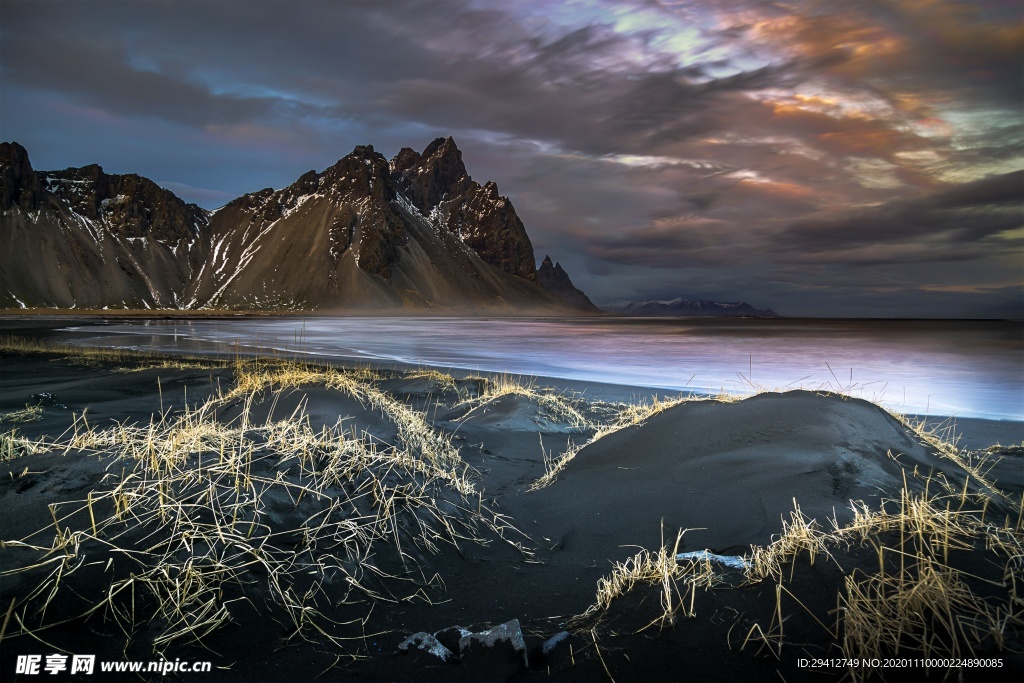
x=730, y=472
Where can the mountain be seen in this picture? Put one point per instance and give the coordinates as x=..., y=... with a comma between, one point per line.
x=415, y=232
x=554, y=279
x=83, y=238
x=689, y=308
x=437, y=184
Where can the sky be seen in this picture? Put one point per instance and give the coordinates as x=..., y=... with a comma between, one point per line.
x=836, y=158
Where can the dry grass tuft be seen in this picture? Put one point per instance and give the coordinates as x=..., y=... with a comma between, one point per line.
x=14, y=446
x=943, y=439
x=918, y=602
x=553, y=464
x=661, y=569
x=634, y=414
x=557, y=405
x=445, y=381
x=173, y=364
x=436, y=454
x=627, y=415
x=197, y=514
x=924, y=599
x=30, y=413
x=799, y=535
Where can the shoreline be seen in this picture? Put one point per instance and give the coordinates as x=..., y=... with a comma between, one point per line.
x=978, y=433
x=295, y=348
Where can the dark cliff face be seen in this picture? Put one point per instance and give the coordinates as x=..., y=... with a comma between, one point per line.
x=415, y=232
x=81, y=238
x=432, y=177
x=19, y=184
x=128, y=205
x=377, y=232
x=553, y=278
x=355, y=196
x=437, y=184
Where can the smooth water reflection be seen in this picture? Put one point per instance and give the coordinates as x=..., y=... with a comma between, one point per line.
x=964, y=368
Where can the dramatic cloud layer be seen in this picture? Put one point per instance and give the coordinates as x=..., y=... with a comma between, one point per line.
x=819, y=158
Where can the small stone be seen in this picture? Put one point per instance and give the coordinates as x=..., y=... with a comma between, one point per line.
x=450, y=637
x=558, y=651
x=496, y=654
x=426, y=643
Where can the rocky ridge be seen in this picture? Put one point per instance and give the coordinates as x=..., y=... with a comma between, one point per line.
x=87, y=239
x=553, y=278
x=437, y=184
x=415, y=232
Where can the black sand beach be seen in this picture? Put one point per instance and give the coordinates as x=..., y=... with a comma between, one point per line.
x=288, y=522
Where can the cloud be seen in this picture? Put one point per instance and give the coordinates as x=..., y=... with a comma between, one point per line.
x=956, y=215
x=1003, y=189
x=650, y=146
x=98, y=73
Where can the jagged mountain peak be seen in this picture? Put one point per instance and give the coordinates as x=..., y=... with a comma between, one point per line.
x=83, y=238
x=416, y=231
x=432, y=177
x=13, y=153
x=553, y=278
x=437, y=184
x=127, y=205
x=553, y=266
x=19, y=183
x=363, y=172
x=366, y=216
x=444, y=148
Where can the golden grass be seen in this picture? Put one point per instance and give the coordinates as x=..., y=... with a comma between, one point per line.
x=799, y=535
x=942, y=438
x=192, y=509
x=30, y=413
x=14, y=446
x=173, y=364
x=921, y=601
x=557, y=405
x=554, y=464
x=445, y=381
x=660, y=569
x=187, y=515
x=918, y=602
x=634, y=414
x=127, y=360
x=435, y=452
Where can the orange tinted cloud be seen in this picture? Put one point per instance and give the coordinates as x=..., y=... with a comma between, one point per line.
x=873, y=142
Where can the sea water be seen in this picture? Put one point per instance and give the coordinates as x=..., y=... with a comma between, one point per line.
x=935, y=368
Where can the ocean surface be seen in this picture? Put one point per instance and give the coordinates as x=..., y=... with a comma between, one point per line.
x=935, y=368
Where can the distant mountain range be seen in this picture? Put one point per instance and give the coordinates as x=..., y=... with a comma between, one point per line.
x=688, y=308
x=416, y=232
